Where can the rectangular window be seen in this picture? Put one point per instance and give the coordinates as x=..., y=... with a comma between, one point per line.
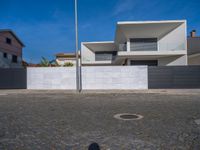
x=102, y=56
x=14, y=58
x=143, y=44
x=144, y=62
x=5, y=55
x=8, y=41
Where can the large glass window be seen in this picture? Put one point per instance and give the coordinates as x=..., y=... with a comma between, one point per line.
x=101, y=56
x=143, y=44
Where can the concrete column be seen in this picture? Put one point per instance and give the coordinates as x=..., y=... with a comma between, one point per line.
x=128, y=62
x=128, y=45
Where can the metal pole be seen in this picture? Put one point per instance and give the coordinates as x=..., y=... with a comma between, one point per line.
x=77, y=50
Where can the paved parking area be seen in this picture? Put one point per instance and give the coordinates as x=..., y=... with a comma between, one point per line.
x=59, y=120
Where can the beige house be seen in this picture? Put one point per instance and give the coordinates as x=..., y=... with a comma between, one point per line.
x=63, y=58
x=193, y=49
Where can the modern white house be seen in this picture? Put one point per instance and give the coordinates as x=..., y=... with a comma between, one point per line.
x=152, y=43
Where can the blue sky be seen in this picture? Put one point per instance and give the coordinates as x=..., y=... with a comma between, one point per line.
x=47, y=26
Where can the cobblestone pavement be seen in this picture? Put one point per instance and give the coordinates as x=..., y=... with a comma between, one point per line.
x=59, y=120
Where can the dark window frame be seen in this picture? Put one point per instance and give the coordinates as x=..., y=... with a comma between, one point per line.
x=9, y=41
x=14, y=59
x=144, y=40
x=5, y=55
x=144, y=62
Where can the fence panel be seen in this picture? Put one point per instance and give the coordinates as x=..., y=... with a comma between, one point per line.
x=171, y=77
x=13, y=78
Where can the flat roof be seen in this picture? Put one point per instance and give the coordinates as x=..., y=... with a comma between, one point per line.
x=98, y=42
x=100, y=46
x=147, y=29
x=149, y=22
x=66, y=55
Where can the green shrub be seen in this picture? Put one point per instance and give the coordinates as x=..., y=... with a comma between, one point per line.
x=44, y=62
x=68, y=64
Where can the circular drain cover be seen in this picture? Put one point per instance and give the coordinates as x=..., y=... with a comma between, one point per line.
x=127, y=116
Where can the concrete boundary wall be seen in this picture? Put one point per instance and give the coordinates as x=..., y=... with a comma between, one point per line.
x=114, y=77
x=51, y=78
x=102, y=78
x=93, y=78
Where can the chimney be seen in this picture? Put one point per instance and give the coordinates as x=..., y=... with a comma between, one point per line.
x=193, y=33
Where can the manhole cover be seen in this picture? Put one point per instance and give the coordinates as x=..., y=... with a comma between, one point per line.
x=127, y=116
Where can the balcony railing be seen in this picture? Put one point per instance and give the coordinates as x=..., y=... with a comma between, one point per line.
x=152, y=47
x=143, y=47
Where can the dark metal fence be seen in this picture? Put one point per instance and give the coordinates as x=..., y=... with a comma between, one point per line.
x=13, y=78
x=172, y=77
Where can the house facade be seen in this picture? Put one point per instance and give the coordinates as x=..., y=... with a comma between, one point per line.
x=193, y=49
x=10, y=50
x=66, y=58
x=152, y=43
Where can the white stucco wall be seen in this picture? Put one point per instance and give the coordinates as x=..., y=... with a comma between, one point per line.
x=93, y=78
x=115, y=77
x=51, y=78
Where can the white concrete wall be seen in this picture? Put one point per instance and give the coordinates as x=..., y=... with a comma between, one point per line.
x=115, y=77
x=87, y=54
x=174, y=40
x=93, y=78
x=173, y=61
x=51, y=78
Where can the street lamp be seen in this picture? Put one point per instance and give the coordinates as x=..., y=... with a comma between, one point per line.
x=78, y=88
